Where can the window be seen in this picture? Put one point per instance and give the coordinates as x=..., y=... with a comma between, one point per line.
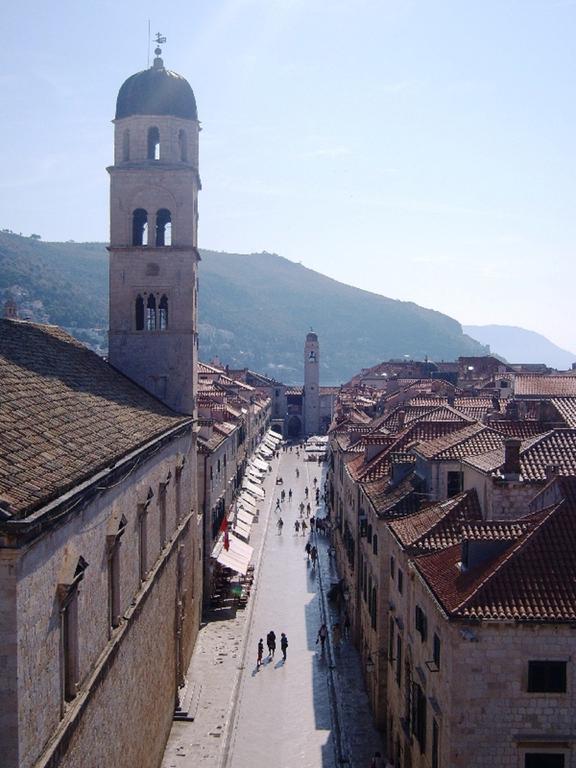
x=373, y=607
x=547, y=677
x=139, y=312
x=375, y=544
x=163, y=313
x=126, y=146
x=68, y=597
x=399, y=660
x=142, y=541
x=419, y=716
x=153, y=144
x=400, y=581
x=544, y=760
x=435, y=743
x=183, y=145
x=151, y=313
x=454, y=484
x=369, y=534
x=162, y=509
x=163, y=228
x=391, y=639
x=140, y=227
x=436, y=650
x=421, y=623
x=392, y=567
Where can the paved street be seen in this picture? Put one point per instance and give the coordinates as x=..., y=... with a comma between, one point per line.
x=308, y=712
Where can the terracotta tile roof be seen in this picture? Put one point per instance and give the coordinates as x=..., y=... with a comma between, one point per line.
x=523, y=430
x=65, y=414
x=438, y=526
x=295, y=391
x=394, y=501
x=542, y=385
x=566, y=407
x=555, y=448
x=472, y=440
x=532, y=579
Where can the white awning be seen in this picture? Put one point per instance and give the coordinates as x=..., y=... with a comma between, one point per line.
x=248, y=502
x=259, y=464
x=252, y=488
x=274, y=436
x=244, y=517
x=264, y=451
x=254, y=476
x=237, y=556
x=241, y=530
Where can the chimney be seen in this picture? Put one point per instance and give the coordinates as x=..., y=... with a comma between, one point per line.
x=511, y=468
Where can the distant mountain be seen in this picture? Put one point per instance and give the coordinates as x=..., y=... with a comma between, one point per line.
x=518, y=345
x=255, y=310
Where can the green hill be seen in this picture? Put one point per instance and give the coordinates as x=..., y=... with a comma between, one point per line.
x=255, y=309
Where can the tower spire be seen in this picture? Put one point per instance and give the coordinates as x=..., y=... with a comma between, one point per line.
x=159, y=39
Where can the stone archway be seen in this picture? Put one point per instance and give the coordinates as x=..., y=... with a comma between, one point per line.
x=294, y=426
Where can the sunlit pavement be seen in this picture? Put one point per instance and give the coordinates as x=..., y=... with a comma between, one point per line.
x=310, y=711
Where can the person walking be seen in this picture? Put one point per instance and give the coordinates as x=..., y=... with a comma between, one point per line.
x=307, y=549
x=277, y=508
x=290, y=494
x=306, y=491
x=271, y=643
x=308, y=509
x=297, y=526
x=297, y=472
x=280, y=525
x=260, y=653
x=283, y=494
x=304, y=527
x=312, y=522
x=283, y=645
x=313, y=556
x=301, y=508
x=321, y=637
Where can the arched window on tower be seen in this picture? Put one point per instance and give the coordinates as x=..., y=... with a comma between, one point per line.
x=183, y=145
x=163, y=228
x=126, y=146
x=153, y=144
x=163, y=313
x=140, y=227
x=139, y=313
x=151, y=313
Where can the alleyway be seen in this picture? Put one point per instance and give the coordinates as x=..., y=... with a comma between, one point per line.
x=310, y=712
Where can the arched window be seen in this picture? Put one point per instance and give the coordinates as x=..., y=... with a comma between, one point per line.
x=139, y=313
x=140, y=227
x=153, y=144
x=151, y=313
x=163, y=313
x=163, y=227
x=126, y=145
x=183, y=145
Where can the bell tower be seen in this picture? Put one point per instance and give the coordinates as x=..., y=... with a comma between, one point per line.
x=154, y=185
x=311, y=385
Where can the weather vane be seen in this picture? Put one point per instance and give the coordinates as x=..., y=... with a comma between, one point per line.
x=159, y=40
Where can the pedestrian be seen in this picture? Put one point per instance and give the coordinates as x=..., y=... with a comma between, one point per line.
x=304, y=526
x=346, y=625
x=322, y=635
x=297, y=472
x=308, y=509
x=297, y=526
x=283, y=645
x=312, y=522
x=307, y=549
x=277, y=505
x=315, y=481
x=271, y=643
x=306, y=491
x=336, y=635
x=269, y=467
x=301, y=508
x=279, y=525
x=283, y=494
x=290, y=494
x=313, y=556
x=378, y=761
x=260, y=653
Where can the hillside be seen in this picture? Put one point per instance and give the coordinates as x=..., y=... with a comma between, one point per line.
x=255, y=309
x=518, y=345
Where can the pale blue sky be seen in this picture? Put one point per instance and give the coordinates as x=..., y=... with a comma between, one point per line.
x=422, y=149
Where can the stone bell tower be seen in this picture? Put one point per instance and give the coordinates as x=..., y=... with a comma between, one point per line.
x=311, y=385
x=154, y=185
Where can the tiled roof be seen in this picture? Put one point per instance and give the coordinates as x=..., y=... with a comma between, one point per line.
x=542, y=385
x=65, y=414
x=394, y=501
x=522, y=429
x=472, y=440
x=532, y=579
x=438, y=526
x=566, y=407
x=295, y=391
x=555, y=448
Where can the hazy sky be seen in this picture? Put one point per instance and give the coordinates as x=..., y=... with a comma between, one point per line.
x=422, y=149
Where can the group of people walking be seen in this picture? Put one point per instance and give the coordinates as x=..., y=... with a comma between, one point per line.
x=271, y=643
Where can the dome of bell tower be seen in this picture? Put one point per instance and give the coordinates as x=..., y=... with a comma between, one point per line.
x=156, y=91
